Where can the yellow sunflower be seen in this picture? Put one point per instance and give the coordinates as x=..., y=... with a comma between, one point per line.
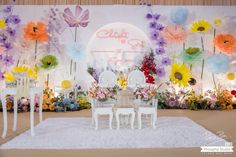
x=180, y=74
x=200, y=26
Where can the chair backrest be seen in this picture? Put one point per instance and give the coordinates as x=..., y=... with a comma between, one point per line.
x=125, y=99
x=107, y=79
x=136, y=78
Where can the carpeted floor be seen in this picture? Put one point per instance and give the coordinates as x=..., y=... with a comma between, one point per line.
x=218, y=122
x=78, y=133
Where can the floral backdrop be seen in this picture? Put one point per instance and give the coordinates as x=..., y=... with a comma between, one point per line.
x=189, y=64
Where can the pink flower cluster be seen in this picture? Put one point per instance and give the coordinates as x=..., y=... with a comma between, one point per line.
x=100, y=93
x=146, y=93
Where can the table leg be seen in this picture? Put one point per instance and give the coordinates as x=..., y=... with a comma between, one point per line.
x=15, y=114
x=4, y=109
x=32, y=115
x=139, y=120
x=110, y=120
x=40, y=108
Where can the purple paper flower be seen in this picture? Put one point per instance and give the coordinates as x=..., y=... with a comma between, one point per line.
x=14, y=19
x=7, y=45
x=3, y=38
x=152, y=24
x=11, y=31
x=7, y=9
x=160, y=72
x=160, y=50
x=154, y=35
x=1, y=57
x=148, y=16
x=166, y=61
x=156, y=16
x=2, y=76
x=80, y=18
x=159, y=27
x=161, y=42
x=8, y=60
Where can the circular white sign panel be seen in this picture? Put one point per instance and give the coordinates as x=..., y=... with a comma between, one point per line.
x=117, y=45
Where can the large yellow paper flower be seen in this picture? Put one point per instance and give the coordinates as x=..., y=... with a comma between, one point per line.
x=66, y=84
x=200, y=26
x=180, y=74
x=2, y=24
x=31, y=72
x=9, y=77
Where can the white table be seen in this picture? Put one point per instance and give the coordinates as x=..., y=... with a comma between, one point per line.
x=12, y=91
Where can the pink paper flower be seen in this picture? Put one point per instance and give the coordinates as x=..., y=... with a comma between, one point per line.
x=174, y=34
x=79, y=19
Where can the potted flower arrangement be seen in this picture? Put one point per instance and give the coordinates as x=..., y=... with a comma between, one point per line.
x=145, y=93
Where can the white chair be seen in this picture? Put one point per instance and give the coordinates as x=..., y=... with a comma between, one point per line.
x=32, y=93
x=147, y=109
x=106, y=79
x=136, y=79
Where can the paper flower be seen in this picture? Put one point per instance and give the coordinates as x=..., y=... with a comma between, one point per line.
x=8, y=60
x=36, y=31
x=66, y=84
x=9, y=77
x=2, y=76
x=2, y=24
x=191, y=55
x=2, y=49
x=200, y=26
x=13, y=19
x=174, y=34
x=75, y=52
x=160, y=72
x=79, y=19
x=31, y=72
x=48, y=62
x=166, y=61
x=180, y=74
x=179, y=15
x=218, y=63
x=225, y=43
x=230, y=76
x=122, y=81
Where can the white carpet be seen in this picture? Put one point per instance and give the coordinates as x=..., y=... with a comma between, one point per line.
x=78, y=133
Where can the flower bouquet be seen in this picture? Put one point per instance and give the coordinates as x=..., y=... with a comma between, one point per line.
x=146, y=93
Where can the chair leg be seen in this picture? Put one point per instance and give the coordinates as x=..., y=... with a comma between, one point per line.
x=15, y=114
x=117, y=121
x=32, y=115
x=110, y=120
x=139, y=120
x=154, y=119
x=96, y=121
x=4, y=109
x=132, y=120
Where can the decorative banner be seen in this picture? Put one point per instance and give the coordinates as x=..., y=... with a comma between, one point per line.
x=117, y=45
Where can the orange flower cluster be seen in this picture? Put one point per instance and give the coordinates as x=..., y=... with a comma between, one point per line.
x=48, y=99
x=225, y=99
x=225, y=43
x=36, y=31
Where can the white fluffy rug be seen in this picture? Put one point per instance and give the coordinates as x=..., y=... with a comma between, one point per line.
x=78, y=133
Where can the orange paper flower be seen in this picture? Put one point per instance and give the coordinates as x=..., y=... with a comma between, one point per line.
x=225, y=43
x=174, y=34
x=36, y=31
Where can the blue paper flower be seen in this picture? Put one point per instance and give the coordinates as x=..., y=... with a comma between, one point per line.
x=179, y=15
x=75, y=52
x=218, y=63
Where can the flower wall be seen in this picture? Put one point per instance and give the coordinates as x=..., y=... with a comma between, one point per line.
x=191, y=47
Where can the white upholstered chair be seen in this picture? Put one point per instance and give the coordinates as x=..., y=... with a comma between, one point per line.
x=106, y=79
x=136, y=79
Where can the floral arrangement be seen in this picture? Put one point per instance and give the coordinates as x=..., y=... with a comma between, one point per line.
x=122, y=80
x=145, y=93
x=149, y=68
x=102, y=93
